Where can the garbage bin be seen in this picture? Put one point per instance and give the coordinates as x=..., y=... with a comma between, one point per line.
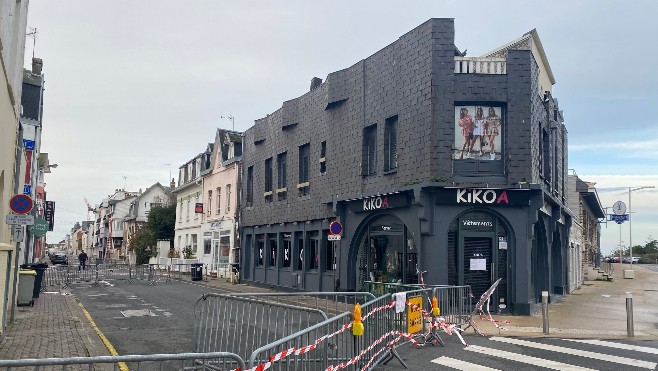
x=25, y=287
x=40, y=268
x=196, y=271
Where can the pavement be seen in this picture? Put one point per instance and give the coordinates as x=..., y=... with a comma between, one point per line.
x=58, y=326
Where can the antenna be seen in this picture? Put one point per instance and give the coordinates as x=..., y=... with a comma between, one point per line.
x=33, y=34
x=169, y=171
x=124, y=182
x=230, y=117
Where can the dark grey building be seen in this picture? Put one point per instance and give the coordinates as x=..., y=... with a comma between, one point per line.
x=430, y=160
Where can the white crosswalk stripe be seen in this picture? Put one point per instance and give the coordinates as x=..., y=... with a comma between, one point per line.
x=577, y=352
x=461, y=365
x=535, y=361
x=610, y=344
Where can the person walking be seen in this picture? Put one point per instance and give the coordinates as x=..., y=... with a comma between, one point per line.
x=83, y=260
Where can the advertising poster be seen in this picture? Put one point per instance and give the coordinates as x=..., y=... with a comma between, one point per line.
x=478, y=131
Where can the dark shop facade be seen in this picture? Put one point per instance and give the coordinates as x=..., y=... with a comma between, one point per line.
x=430, y=160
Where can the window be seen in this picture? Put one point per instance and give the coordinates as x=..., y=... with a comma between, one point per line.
x=261, y=249
x=188, y=209
x=546, y=156
x=219, y=200
x=313, y=253
x=391, y=144
x=369, y=155
x=304, y=159
x=300, y=251
x=194, y=244
x=330, y=260
x=250, y=186
x=228, y=198
x=207, y=242
x=273, y=251
x=268, y=180
x=209, y=203
x=287, y=252
x=323, y=157
x=282, y=173
x=180, y=212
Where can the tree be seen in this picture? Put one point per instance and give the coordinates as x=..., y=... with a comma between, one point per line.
x=162, y=221
x=144, y=246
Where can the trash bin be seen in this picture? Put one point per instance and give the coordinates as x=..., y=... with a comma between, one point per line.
x=196, y=271
x=25, y=287
x=40, y=268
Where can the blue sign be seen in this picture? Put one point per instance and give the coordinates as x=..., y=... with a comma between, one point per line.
x=28, y=144
x=618, y=218
x=27, y=189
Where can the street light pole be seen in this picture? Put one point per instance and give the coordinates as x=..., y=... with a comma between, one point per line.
x=630, y=220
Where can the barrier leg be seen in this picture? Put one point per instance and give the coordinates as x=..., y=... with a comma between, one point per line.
x=392, y=353
x=433, y=336
x=96, y=282
x=66, y=280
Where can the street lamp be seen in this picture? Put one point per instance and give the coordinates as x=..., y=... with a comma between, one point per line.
x=630, y=220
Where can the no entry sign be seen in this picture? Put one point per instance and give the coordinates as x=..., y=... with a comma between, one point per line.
x=21, y=204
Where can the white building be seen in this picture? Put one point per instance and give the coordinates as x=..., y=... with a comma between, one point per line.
x=138, y=212
x=188, y=195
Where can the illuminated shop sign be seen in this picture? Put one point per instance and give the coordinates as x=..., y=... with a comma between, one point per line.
x=381, y=202
x=484, y=197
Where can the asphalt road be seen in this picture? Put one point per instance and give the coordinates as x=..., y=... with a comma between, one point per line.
x=140, y=319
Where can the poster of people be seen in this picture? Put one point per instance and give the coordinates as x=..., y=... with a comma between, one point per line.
x=477, y=133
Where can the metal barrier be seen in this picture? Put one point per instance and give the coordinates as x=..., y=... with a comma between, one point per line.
x=331, y=303
x=65, y=275
x=455, y=303
x=178, y=361
x=331, y=345
x=241, y=324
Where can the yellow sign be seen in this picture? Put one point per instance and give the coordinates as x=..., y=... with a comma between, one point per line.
x=415, y=315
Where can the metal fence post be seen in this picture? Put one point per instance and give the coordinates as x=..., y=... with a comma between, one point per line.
x=544, y=310
x=629, y=314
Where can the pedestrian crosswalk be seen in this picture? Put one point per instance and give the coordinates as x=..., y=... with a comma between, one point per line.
x=508, y=353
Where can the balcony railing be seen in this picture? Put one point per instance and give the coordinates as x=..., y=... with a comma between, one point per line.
x=486, y=66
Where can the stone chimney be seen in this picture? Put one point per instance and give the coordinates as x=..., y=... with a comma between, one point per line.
x=315, y=82
x=37, y=66
x=172, y=184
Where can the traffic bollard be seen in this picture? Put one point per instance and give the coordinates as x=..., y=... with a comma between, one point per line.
x=544, y=310
x=629, y=314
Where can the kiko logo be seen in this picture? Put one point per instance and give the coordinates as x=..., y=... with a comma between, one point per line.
x=481, y=196
x=375, y=203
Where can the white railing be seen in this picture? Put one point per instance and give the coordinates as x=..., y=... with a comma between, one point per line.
x=487, y=66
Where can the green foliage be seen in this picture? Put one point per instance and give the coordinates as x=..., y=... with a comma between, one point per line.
x=162, y=221
x=411, y=182
x=188, y=253
x=144, y=246
x=438, y=179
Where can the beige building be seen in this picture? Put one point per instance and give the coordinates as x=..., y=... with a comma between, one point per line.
x=13, y=16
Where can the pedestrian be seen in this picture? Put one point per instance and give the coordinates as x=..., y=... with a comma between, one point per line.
x=83, y=260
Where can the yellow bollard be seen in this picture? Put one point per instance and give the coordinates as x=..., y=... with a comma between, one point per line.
x=435, y=307
x=357, y=325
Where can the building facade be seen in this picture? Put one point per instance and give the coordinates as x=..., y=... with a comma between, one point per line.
x=431, y=161
x=220, y=212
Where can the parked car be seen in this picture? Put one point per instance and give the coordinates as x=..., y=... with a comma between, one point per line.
x=59, y=258
x=613, y=259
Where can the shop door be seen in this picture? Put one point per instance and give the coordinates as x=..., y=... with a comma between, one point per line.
x=479, y=267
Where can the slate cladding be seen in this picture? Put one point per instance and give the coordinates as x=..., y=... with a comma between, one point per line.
x=413, y=78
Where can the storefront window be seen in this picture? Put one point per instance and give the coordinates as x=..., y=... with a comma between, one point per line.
x=260, y=253
x=287, y=252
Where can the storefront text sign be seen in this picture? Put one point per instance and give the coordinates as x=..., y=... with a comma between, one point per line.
x=381, y=202
x=481, y=196
x=484, y=197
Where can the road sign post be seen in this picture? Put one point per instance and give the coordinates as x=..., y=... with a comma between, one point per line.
x=21, y=204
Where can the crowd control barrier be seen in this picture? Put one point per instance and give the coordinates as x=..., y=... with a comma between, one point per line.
x=241, y=324
x=65, y=275
x=216, y=361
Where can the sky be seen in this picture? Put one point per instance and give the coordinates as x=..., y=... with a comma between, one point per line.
x=133, y=86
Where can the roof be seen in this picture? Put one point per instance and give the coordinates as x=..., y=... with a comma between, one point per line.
x=522, y=44
x=590, y=197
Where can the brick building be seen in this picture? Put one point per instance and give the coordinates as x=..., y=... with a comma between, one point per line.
x=431, y=161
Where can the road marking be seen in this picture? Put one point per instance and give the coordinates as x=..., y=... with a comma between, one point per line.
x=576, y=352
x=546, y=363
x=616, y=345
x=106, y=341
x=460, y=365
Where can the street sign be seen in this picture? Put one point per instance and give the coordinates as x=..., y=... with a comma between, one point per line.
x=20, y=204
x=333, y=237
x=39, y=228
x=17, y=233
x=618, y=218
x=619, y=208
x=335, y=228
x=19, y=219
x=198, y=208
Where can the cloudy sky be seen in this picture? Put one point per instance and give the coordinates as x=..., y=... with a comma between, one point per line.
x=134, y=85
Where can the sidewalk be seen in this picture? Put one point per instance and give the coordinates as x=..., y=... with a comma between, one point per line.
x=57, y=327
